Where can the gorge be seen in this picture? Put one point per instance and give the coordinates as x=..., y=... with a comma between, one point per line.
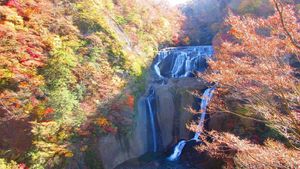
x=170, y=83
x=130, y=84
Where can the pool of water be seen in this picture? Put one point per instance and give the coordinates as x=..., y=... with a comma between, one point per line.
x=190, y=159
x=156, y=161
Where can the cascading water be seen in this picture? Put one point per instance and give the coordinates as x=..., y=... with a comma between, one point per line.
x=177, y=150
x=152, y=117
x=178, y=63
x=181, y=62
x=171, y=68
x=161, y=56
x=205, y=101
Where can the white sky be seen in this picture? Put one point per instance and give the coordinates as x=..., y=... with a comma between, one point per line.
x=176, y=2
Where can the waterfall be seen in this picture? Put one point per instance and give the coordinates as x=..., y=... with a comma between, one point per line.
x=161, y=56
x=204, y=103
x=189, y=66
x=181, y=62
x=178, y=62
x=177, y=150
x=152, y=117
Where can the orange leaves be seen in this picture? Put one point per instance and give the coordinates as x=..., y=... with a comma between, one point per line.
x=234, y=32
x=186, y=40
x=130, y=101
x=258, y=69
x=25, y=8
x=248, y=155
x=251, y=55
x=102, y=122
x=23, y=84
x=106, y=125
x=69, y=154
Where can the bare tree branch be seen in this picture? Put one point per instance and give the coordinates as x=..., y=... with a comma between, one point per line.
x=279, y=9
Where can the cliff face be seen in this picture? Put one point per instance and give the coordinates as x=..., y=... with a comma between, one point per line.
x=162, y=116
x=171, y=101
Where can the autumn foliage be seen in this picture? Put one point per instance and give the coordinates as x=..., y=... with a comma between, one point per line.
x=256, y=68
x=239, y=153
x=60, y=61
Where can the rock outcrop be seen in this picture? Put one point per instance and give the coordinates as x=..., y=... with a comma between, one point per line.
x=170, y=85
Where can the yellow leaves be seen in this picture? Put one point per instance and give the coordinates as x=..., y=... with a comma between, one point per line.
x=106, y=125
x=136, y=67
x=69, y=154
x=12, y=100
x=49, y=150
x=8, y=165
x=54, y=41
x=83, y=148
x=186, y=40
x=63, y=135
x=117, y=81
x=10, y=15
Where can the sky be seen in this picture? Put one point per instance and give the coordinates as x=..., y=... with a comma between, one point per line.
x=176, y=2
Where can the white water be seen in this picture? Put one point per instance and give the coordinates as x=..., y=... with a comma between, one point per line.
x=178, y=63
x=161, y=57
x=204, y=103
x=177, y=150
x=185, y=61
x=152, y=122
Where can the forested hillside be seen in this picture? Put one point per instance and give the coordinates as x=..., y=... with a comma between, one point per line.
x=62, y=60
x=204, y=19
x=103, y=84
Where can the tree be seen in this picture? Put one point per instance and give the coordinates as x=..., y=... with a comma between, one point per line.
x=239, y=153
x=62, y=61
x=255, y=70
x=22, y=53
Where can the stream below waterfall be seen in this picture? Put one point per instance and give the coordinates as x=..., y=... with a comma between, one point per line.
x=173, y=63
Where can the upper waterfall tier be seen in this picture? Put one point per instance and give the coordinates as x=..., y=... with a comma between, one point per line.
x=182, y=61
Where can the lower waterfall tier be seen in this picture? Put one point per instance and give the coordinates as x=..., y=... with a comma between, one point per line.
x=171, y=118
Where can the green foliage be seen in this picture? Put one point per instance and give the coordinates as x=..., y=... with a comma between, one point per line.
x=139, y=83
x=59, y=78
x=249, y=6
x=63, y=101
x=62, y=61
x=50, y=144
x=58, y=71
x=121, y=20
x=255, y=7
